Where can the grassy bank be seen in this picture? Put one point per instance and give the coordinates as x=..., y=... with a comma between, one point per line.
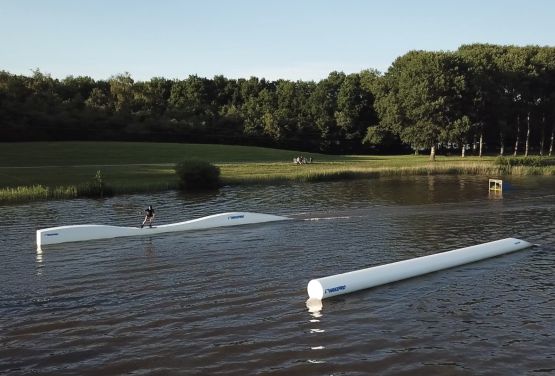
x=34, y=171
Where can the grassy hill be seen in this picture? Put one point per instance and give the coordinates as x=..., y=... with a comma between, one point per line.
x=33, y=154
x=128, y=166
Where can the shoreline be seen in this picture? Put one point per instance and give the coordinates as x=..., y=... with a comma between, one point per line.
x=36, y=171
x=321, y=173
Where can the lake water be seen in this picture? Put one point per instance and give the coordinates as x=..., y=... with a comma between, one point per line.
x=232, y=301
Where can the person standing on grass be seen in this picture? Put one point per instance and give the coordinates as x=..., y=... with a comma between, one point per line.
x=149, y=216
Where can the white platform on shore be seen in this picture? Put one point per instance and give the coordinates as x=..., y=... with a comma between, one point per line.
x=76, y=233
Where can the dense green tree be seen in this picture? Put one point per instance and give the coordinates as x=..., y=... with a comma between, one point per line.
x=227, y=101
x=73, y=91
x=121, y=90
x=544, y=61
x=484, y=92
x=479, y=95
x=221, y=92
x=355, y=110
x=323, y=105
x=422, y=97
x=99, y=99
x=546, y=56
x=13, y=93
x=306, y=135
x=151, y=97
x=517, y=65
x=191, y=98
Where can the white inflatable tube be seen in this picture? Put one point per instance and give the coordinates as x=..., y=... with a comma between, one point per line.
x=76, y=233
x=345, y=283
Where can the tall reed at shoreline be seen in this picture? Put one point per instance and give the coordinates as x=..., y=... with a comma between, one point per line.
x=349, y=173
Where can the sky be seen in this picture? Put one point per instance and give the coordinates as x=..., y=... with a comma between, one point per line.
x=289, y=39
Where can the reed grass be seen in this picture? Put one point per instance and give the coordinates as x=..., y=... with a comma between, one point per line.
x=533, y=161
x=329, y=172
x=36, y=192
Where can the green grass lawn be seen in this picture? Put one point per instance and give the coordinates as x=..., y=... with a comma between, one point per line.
x=32, y=154
x=143, y=167
x=132, y=166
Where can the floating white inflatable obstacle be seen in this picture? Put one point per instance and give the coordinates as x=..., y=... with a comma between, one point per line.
x=345, y=283
x=78, y=233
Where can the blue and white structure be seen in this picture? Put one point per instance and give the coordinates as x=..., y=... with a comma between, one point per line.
x=345, y=283
x=77, y=233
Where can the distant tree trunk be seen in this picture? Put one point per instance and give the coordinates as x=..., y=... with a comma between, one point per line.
x=527, y=134
x=433, y=153
x=481, y=143
x=463, y=148
x=542, y=140
x=517, y=134
x=551, y=143
x=502, y=144
x=474, y=145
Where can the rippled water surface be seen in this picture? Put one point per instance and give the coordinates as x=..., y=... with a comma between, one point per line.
x=231, y=301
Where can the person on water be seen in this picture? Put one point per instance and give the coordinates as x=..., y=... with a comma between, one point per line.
x=149, y=217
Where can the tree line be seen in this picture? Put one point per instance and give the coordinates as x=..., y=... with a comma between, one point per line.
x=480, y=98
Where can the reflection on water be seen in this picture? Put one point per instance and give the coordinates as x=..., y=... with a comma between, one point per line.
x=233, y=301
x=150, y=250
x=314, y=306
x=495, y=195
x=39, y=257
x=39, y=261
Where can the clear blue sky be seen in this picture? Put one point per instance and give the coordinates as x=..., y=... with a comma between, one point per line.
x=291, y=39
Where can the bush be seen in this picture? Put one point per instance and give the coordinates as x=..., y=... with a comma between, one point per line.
x=96, y=188
x=197, y=175
x=534, y=161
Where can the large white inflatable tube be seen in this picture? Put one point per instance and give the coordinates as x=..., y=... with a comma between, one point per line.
x=345, y=283
x=76, y=233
